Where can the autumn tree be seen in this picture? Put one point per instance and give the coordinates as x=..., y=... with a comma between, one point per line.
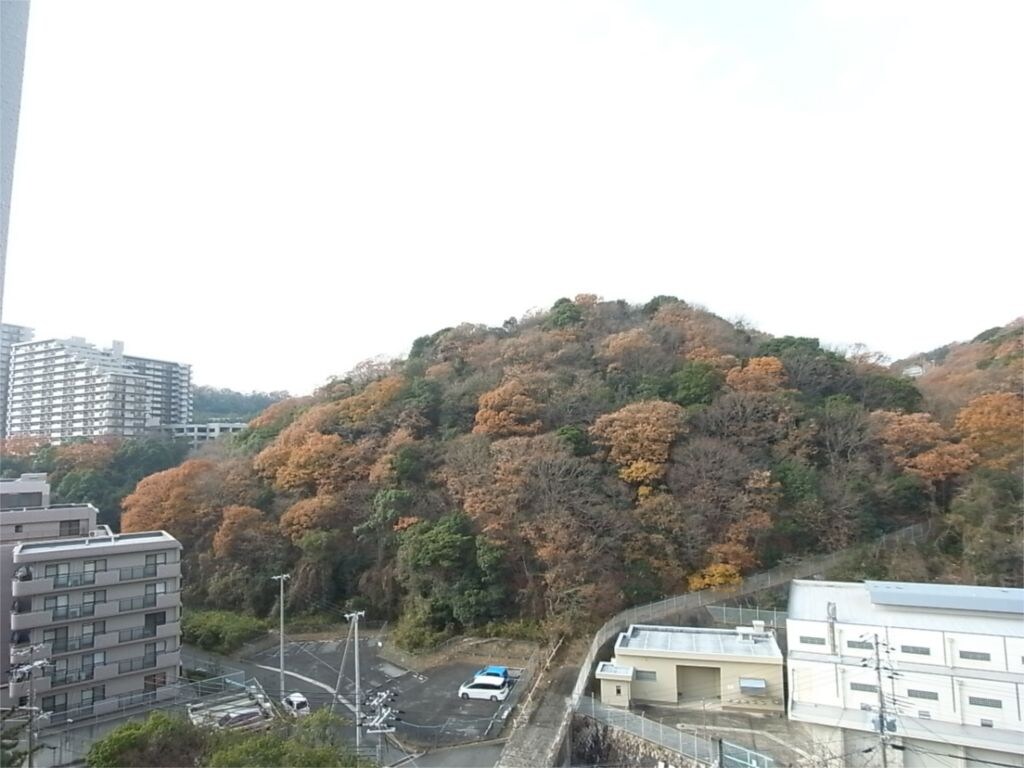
x=993, y=426
x=510, y=409
x=638, y=438
x=918, y=444
x=760, y=374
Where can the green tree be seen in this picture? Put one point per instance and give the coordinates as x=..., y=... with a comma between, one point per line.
x=161, y=740
x=564, y=313
x=695, y=383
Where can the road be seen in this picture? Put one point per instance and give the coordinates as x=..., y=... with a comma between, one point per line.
x=312, y=670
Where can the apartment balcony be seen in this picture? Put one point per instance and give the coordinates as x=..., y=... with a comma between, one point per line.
x=161, y=571
x=72, y=644
x=169, y=630
x=78, y=580
x=31, y=619
x=20, y=652
x=147, y=602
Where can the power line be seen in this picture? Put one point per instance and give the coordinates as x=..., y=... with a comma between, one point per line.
x=956, y=757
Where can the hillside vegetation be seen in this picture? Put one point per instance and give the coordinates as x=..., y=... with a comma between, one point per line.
x=556, y=469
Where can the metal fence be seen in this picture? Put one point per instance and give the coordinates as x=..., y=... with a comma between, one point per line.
x=735, y=616
x=689, y=744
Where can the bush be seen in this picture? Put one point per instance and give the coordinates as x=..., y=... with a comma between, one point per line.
x=220, y=631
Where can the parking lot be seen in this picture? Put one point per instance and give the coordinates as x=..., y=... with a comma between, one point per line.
x=433, y=715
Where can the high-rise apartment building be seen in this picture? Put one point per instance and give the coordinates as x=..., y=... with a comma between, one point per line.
x=66, y=388
x=95, y=623
x=9, y=336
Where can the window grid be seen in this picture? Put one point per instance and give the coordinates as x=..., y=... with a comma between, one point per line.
x=918, y=650
x=979, y=701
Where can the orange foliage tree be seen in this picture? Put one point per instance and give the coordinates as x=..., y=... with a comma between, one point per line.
x=242, y=533
x=992, y=426
x=510, y=409
x=760, y=374
x=308, y=515
x=187, y=501
x=638, y=438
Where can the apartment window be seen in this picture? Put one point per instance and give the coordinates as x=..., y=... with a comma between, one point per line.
x=812, y=640
x=863, y=645
x=99, y=596
x=930, y=695
x=96, y=628
x=94, y=659
x=160, y=558
x=976, y=655
x=918, y=650
x=92, y=566
x=644, y=674
x=978, y=701
x=56, y=703
x=618, y=690
x=55, y=570
x=18, y=528
x=865, y=687
x=92, y=695
x=70, y=527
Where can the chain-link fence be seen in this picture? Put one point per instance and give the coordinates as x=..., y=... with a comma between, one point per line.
x=735, y=616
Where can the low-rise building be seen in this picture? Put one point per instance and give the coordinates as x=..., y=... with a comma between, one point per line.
x=944, y=662
x=196, y=434
x=102, y=613
x=738, y=669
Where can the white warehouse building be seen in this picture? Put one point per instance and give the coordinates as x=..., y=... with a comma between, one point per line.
x=952, y=669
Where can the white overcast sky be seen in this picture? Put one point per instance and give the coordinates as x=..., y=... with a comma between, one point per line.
x=274, y=191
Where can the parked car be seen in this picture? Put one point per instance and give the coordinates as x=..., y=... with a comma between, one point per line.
x=246, y=717
x=488, y=687
x=493, y=671
x=296, y=705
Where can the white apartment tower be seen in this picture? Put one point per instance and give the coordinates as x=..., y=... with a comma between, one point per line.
x=9, y=336
x=66, y=388
x=945, y=663
x=95, y=623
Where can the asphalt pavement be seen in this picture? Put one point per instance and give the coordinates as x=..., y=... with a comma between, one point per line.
x=433, y=717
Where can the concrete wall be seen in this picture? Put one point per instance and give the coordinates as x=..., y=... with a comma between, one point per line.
x=611, y=697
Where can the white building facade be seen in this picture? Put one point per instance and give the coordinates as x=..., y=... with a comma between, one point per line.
x=62, y=389
x=197, y=434
x=945, y=662
x=9, y=336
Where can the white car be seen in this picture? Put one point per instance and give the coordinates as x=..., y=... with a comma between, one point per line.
x=487, y=687
x=296, y=705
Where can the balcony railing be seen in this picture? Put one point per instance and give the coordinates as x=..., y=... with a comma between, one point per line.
x=136, y=633
x=71, y=676
x=74, y=611
x=139, y=662
x=136, y=603
x=74, y=579
x=73, y=643
x=138, y=572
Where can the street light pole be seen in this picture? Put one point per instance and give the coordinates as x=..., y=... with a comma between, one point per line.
x=281, y=579
x=354, y=617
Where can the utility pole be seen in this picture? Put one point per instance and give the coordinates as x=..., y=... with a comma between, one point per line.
x=881, y=707
x=354, y=617
x=30, y=670
x=341, y=668
x=281, y=579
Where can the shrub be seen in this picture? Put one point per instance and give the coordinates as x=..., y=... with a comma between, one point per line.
x=220, y=631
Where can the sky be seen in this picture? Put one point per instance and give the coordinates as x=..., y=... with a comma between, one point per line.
x=274, y=192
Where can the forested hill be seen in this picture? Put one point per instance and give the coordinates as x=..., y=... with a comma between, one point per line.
x=551, y=471
x=210, y=404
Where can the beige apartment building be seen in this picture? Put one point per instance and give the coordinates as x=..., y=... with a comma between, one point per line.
x=26, y=515
x=102, y=614
x=739, y=669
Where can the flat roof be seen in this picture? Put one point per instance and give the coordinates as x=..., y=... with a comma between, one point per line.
x=69, y=545
x=944, y=607
x=948, y=597
x=642, y=638
x=608, y=671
